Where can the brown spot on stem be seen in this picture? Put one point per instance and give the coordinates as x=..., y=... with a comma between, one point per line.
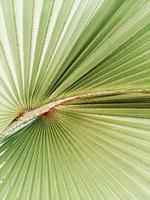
x=49, y=114
x=20, y=114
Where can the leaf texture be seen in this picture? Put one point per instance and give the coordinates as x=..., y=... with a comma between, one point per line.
x=96, y=148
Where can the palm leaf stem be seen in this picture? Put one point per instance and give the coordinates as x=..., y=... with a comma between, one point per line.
x=28, y=116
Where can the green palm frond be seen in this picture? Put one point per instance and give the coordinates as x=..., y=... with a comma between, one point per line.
x=75, y=99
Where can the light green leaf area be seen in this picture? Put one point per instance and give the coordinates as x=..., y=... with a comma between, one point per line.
x=93, y=148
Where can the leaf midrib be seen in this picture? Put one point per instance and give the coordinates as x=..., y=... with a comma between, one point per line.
x=30, y=116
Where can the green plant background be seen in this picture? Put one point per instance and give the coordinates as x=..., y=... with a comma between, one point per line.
x=94, y=149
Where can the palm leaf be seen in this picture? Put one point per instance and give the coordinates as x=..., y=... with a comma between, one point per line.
x=74, y=99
